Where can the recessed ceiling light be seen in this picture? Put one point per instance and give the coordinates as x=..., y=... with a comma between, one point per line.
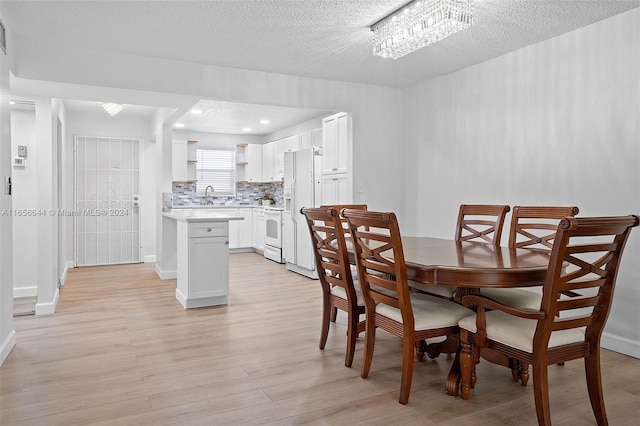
x=196, y=111
x=264, y=121
x=12, y=102
x=179, y=125
x=246, y=129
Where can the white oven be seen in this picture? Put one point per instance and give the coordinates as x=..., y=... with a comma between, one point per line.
x=273, y=234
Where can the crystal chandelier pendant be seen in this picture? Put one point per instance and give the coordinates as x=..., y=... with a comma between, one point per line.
x=419, y=24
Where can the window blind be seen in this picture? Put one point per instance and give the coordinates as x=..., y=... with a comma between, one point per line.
x=218, y=169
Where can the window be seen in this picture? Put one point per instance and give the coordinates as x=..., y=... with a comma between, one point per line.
x=218, y=169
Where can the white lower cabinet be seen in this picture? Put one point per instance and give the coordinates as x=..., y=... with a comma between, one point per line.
x=240, y=231
x=203, y=263
x=258, y=229
x=245, y=228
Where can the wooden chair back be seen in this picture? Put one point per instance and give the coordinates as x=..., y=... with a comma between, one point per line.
x=334, y=272
x=481, y=222
x=380, y=260
x=534, y=227
x=584, y=260
x=330, y=249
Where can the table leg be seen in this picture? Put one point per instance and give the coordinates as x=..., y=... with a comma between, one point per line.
x=448, y=346
x=453, y=378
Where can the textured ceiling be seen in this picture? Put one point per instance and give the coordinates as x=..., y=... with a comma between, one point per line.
x=328, y=39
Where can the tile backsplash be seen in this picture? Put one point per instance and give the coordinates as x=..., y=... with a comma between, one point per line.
x=184, y=194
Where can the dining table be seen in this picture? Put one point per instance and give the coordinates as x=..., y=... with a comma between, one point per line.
x=469, y=266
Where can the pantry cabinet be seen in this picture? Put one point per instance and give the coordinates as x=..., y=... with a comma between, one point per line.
x=336, y=131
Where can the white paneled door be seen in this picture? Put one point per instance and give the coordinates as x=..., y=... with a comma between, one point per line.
x=107, y=200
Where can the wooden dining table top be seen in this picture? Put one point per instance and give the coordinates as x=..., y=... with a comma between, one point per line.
x=472, y=264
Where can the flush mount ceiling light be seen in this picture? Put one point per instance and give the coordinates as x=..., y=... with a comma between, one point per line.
x=196, y=111
x=418, y=24
x=111, y=108
x=178, y=125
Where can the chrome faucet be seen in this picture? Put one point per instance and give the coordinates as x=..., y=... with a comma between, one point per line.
x=207, y=198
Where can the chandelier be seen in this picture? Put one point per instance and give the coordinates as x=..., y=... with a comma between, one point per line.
x=418, y=24
x=111, y=108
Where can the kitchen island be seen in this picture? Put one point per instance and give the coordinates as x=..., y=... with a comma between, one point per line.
x=202, y=255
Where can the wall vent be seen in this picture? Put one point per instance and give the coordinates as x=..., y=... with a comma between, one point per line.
x=3, y=38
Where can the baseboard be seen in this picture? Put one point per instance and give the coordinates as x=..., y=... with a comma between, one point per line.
x=165, y=275
x=7, y=345
x=26, y=291
x=242, y=250
x=620, y=344
x=50, y=307
x=149, y=259
x=67, y=266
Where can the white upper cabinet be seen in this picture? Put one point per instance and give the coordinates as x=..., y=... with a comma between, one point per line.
x=335, y=144
x=268, y=168
x=291, y=143
x=249, y=163
x=183, y=161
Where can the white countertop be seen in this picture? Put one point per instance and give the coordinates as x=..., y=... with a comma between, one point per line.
x=199, y=215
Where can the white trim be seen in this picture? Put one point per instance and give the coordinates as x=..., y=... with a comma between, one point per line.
x=26, y=291
x=7, y=345
x=67, y=266
x=48, y=308
x=166, y=275
x=150, y=258
x=620, y=344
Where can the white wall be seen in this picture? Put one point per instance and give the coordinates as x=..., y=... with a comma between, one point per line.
x=101, y=124
x=556, y=123
x=25, y=190
x=7, y=334
x=216, y=140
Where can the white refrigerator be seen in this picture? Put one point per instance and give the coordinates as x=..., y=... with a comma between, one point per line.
x=302, y=188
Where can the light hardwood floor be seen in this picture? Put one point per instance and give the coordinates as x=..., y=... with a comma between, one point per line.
x=121, y=350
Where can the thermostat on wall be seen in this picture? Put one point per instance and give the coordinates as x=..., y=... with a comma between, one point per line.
x=18, y=161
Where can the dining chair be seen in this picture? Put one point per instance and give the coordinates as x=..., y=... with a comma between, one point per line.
x=476, y=222
x=334, y=273
x=388, y=303
x=347, y=236
x=585, y=259
x=533, y=228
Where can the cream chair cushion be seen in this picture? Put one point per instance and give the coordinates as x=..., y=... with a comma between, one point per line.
x=518, y=332
x=446, y=291
x=429, y=312
x=342, y=294
x=516, y=297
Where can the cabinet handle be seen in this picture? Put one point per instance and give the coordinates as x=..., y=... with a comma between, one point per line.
x=208, y=229
x=335, y=168
x=226, y=243
x=334, y=179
